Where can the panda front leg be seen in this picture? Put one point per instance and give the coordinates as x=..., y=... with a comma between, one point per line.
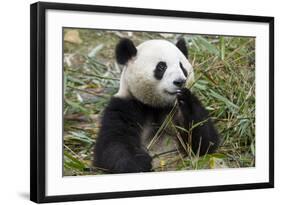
x=118, y=148
x=202, y=134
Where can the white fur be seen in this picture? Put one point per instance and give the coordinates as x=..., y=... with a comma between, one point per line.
x=138, y=79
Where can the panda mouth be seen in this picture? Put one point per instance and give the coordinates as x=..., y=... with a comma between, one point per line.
x=171, y=93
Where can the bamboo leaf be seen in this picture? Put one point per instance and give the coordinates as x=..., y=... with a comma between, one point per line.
x=206, y=45
x=72, y=162
x=75, y=105
x=81, y=137
x=223, y=99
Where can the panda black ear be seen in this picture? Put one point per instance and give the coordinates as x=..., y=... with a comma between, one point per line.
x=125, y=50
x=182, y=46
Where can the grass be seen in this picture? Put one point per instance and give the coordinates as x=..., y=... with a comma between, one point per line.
x=224, y=81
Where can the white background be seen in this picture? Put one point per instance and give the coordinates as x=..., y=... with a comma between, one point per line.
x=14, y=91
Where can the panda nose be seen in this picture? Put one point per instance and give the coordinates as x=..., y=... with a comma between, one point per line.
x=179, y=82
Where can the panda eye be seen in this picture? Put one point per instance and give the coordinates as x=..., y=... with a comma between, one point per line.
x=183, y=69
x=162, y=66
x=160, y=70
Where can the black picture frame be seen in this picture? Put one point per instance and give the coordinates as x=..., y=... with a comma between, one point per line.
x=38, y=100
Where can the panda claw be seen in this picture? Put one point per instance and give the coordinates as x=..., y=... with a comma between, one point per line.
x=181, y=102
x=179, y=93
x=183, y=95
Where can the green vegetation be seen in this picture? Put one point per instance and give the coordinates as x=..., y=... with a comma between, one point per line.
x=224, y=81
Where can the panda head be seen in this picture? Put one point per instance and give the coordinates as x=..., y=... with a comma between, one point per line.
x=153, y=71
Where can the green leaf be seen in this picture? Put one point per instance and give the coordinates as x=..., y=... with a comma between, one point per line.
x=253, y=149
x=81, y=137
x=72, y=162
x=212, y=163
x=218, y=155
x=206, y=45
x=223, y=99
x=75, y=105
x=75, y=80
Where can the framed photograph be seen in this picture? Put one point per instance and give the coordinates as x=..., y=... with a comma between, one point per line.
x=129, y=102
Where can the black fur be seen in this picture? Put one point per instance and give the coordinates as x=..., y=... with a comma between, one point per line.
x=182, y=47
x=160, y=70
x=118, y=148
x=125, y=50
x=183, y=70
x=204, y=138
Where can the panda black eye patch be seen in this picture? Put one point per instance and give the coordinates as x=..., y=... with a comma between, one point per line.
x=160, y=70
x=183, y=69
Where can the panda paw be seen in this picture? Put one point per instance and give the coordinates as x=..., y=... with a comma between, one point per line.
x=186, y=101
x=140, y=161
x=183, y=96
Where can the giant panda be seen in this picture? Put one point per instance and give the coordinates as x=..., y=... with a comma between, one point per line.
x=152, y=83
